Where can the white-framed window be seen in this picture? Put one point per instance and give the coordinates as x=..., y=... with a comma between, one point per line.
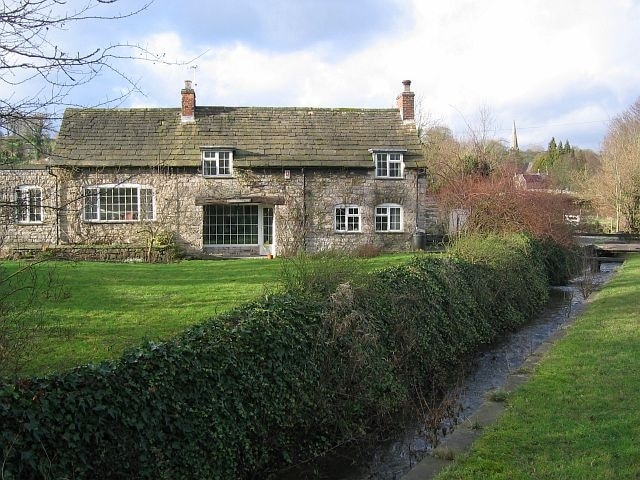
x=217, y=163
x=389, y=218
x=118, y=203
x=347, y=218
x=28, y=201
x=389, y=164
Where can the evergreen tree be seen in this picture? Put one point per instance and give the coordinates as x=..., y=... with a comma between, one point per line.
x=552, y=152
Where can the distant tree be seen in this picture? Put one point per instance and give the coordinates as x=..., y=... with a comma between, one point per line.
x=25, y=140
x=616, y=187
x=552, y=150
x=450, y=159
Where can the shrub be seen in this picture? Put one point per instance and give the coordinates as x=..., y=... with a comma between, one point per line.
x=497, y=205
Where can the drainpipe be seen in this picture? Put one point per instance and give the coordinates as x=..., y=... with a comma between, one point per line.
x=304, y=210
x=420, y=173
x=57, y=201
x=417, y=198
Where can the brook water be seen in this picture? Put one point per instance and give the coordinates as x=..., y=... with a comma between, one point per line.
x=390, y=459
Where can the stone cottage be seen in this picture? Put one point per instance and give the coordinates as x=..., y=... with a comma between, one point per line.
x=230, y=181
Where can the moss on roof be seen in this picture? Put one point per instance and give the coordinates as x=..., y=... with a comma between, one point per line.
x=261, y=136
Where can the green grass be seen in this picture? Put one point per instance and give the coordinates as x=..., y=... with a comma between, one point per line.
x=107, y=308
x=578, y=417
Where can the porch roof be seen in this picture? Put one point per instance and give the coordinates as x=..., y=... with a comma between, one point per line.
x=239, y=200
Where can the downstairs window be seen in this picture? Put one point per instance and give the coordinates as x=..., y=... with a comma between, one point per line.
x=28, y=201
x=388, y=218
x=347, y=218
x=118, y=203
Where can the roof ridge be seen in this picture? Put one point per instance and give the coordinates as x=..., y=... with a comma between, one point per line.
x=233, y=107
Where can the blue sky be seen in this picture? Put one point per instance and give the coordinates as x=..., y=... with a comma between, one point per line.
x=560, y=69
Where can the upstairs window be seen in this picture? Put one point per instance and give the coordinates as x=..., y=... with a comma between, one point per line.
x=121, y=203
x=28, y=200
x=389, y=165
x=217, y=163
x=347, y=218
x=389, y=218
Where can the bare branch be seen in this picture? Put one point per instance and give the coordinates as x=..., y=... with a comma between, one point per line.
x=30, y=56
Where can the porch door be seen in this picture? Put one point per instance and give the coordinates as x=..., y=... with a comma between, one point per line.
x=267, y=241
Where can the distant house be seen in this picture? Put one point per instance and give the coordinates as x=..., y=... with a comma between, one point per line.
x=231, y=181
x=533, y=181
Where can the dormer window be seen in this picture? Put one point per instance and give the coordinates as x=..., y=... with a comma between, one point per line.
x=217, y=163
x=389, y=164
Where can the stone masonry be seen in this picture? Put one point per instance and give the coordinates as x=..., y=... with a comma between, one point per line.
x=301, y=163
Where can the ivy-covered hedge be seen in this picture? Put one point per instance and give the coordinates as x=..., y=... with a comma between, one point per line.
x=274, y=380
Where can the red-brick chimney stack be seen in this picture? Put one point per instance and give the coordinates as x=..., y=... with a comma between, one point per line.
x=405, y=102
x=188, y=102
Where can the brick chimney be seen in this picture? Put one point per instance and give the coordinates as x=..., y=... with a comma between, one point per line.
x=405, y=102
x=188, y=103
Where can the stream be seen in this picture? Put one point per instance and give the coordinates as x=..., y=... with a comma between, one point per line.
x=392, y=458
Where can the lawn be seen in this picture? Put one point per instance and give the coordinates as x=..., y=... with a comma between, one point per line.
x=578, y=416
x=107, y=307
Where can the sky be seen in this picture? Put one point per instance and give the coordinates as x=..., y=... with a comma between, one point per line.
x=561, y=69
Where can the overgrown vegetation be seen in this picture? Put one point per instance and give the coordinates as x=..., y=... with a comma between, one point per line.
x=497, y=205
x=577, y=417
x=276, y=380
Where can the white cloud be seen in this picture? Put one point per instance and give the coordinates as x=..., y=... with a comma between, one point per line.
x=538, y=62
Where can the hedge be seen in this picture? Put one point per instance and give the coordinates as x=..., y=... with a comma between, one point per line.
x=276, y=380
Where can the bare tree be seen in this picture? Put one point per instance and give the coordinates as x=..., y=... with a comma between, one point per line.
x=37, y=74
x=451, y=160
x=616, y=187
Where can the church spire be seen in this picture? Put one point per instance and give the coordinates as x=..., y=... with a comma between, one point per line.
x=514, y=138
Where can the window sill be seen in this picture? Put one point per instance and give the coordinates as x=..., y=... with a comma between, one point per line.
x=30, y=223
x=111, y=222
x=389, y=178
x=217, y=176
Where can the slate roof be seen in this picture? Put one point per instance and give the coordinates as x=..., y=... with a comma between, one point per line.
x=261, y=136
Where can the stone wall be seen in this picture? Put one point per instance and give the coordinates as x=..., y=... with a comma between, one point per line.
x=103, y=253
x=304, y=211
x=358, y=187
x=39, y=233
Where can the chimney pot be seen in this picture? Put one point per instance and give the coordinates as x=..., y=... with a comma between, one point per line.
x=407, y=85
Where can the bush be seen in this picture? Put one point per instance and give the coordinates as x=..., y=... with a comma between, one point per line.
x=276, y=380
x=560, y=262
